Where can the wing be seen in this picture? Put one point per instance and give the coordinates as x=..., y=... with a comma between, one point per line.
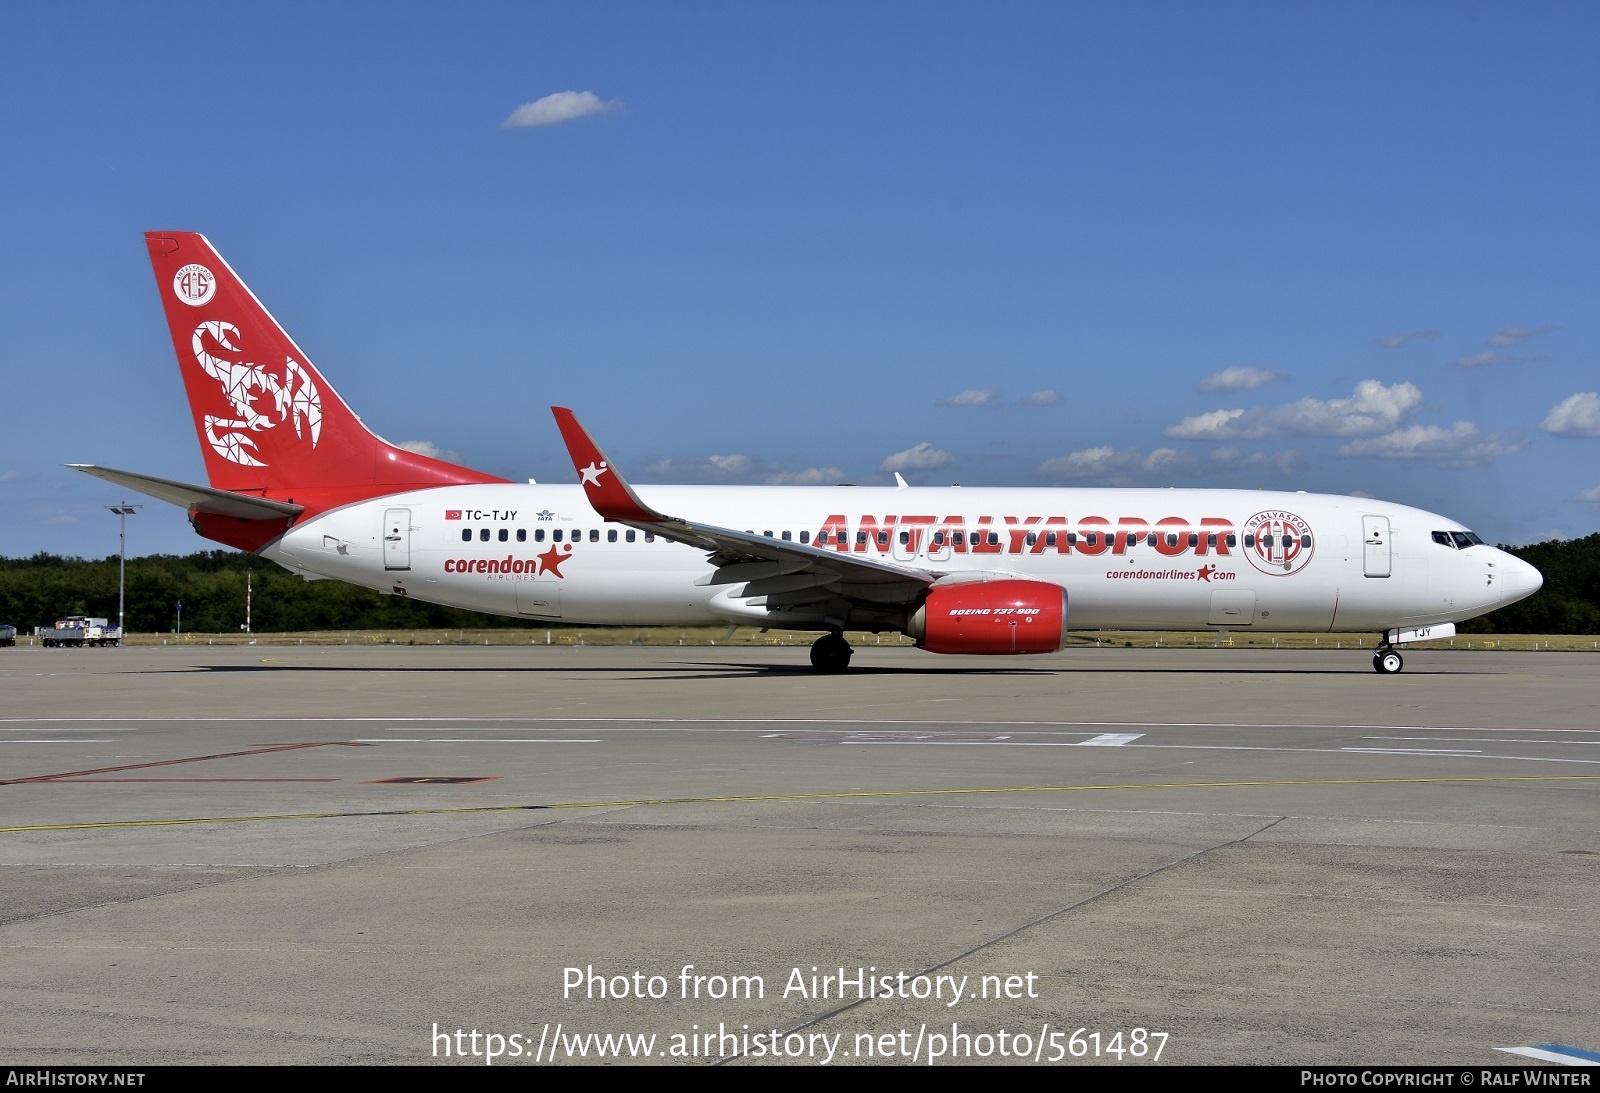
x=776, y=574
x=201, y=499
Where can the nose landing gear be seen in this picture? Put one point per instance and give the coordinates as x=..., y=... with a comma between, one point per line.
x=1387, y=660
x=830, y=654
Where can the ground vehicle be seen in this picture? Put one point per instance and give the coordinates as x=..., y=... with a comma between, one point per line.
x=8, y=634
x=76, y=631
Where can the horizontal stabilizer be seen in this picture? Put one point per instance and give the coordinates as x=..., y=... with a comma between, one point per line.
x=196, y=498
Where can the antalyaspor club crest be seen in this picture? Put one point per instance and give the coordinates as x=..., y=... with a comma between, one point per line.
x=194, y=285
x=1279, y=542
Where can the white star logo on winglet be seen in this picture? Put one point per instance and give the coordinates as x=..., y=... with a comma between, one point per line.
x=590, y=475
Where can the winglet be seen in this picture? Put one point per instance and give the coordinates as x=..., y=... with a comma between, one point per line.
x=603, y=484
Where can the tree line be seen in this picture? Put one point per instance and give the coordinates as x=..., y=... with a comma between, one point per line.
x=211, y=587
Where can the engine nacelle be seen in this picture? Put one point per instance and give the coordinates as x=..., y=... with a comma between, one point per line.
x=1000, y=616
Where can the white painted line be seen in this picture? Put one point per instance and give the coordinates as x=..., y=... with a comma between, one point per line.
x=87, y=728
x=775, y=721
x=1110, y=740
x=74, y=740
x=1552, y=1056
x=1483, y=739
x=1417, y=751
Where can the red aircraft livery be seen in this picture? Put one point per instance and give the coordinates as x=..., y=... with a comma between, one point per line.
x=295, y=476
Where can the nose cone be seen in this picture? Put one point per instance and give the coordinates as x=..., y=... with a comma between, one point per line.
x=1517, y=580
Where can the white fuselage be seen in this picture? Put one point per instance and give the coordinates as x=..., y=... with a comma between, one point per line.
x=1221, y=558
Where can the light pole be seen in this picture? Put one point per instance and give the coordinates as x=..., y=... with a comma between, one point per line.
x=123, y=511
x=180, y=620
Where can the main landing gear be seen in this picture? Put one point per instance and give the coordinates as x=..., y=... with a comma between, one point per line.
x=830, y=654
x=1387, y=660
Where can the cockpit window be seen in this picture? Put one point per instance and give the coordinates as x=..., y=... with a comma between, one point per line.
x=1463, y=539
x=1443, y=539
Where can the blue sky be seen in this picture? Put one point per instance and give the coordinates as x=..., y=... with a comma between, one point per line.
x=1344, y=248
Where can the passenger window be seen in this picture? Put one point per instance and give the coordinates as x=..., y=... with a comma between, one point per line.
x=1249, y=540
x=1211, y=538
x=483, y=535
x=466, y=535
x=905, y=537
x=883, y=538
x=505, y=535
x=956, y=538
x=1072, y=538
x=767, y=534
x=786, y=536
x=649, y=536
x=822, y=538
x=861, y=538
x=1305, y=541
x=555, y=535
x=1232, y=539
x=1031, y=538
x=522, y=535
x=1089, y=539
x=594, y=535
x=1049, y=538
x=611, y=535
x=994, y=538
x=538, y=535
x=805, y=537
x=631, y=534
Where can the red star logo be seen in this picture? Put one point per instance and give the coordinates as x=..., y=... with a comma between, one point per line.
x=1206, y=571
x=550, y=561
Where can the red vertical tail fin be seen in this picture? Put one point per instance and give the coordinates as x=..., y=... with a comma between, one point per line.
x=269, y=424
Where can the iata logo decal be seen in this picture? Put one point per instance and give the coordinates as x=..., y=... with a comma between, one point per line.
x=194, y=285
x=1277, y=542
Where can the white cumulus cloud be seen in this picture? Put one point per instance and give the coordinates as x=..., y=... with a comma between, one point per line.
x=924, y=457
x=1239, y=379
x=985, y=397
x=1284, y=462
x=1395, y=341
x=811, y=476
x=1371, y=409
x=1591, y=496
x=563, y=106
x=429, y=449
x=1512, y=335
x=1109, y=462
x=1461, y=445
x=1578, y=415
x=1040, y=398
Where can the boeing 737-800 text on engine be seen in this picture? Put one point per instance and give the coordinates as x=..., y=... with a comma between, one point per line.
x=296, y=477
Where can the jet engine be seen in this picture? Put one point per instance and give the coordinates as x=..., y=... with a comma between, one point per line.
x=998, y=616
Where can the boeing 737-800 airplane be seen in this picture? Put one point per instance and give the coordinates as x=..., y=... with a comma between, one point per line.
x=297, y=478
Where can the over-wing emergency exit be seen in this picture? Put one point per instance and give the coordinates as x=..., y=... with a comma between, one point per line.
x=296, y=477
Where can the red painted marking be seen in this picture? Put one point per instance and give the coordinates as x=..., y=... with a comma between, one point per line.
x=170, y=762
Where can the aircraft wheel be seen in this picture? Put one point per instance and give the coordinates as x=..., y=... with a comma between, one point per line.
x=830, y=654
x=1387, y=662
